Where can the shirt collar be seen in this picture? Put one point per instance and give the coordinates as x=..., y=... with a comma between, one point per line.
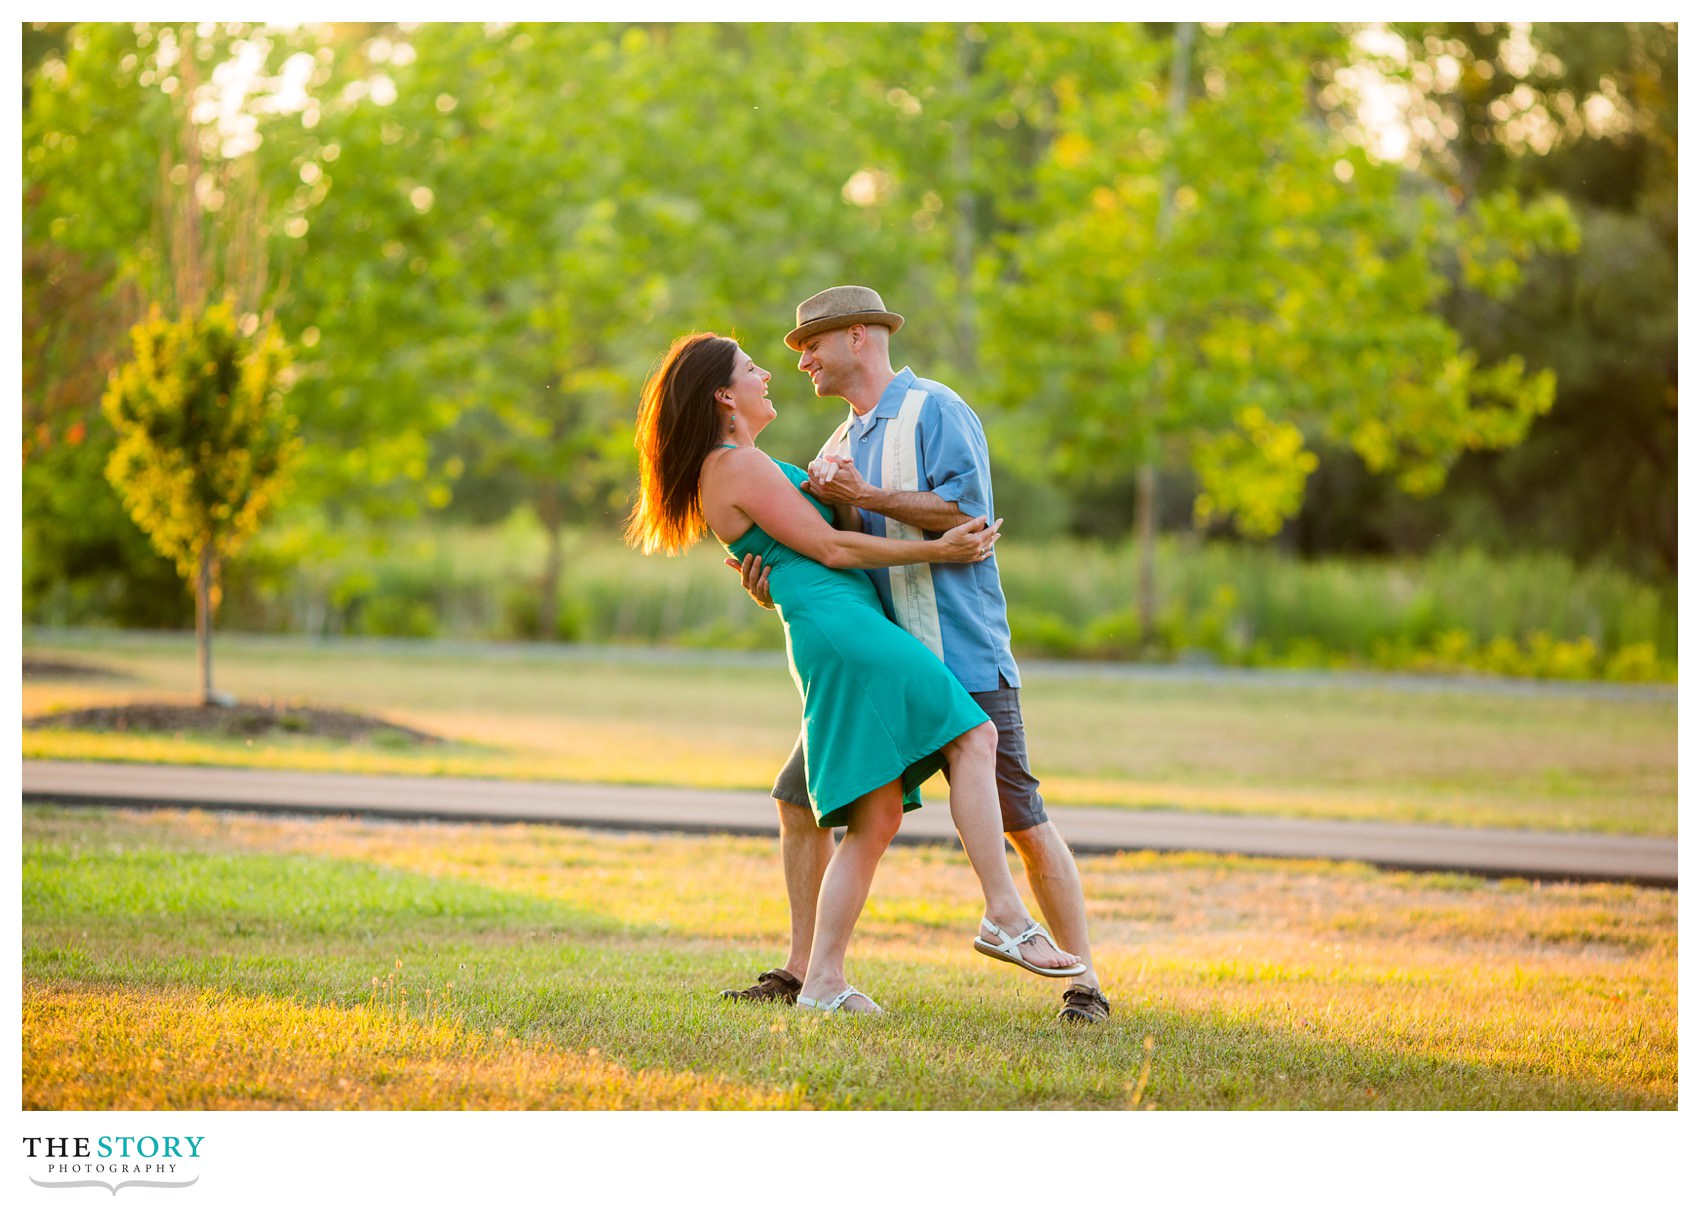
x=891, y=399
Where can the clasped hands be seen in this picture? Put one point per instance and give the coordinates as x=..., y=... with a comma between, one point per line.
x=833, y=478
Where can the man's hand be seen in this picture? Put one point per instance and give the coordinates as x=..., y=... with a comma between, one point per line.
x=755, y=578
x=835, y=480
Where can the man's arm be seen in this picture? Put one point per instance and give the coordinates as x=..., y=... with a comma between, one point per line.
x=835, y=480
x=754, y=576
x=846, y=517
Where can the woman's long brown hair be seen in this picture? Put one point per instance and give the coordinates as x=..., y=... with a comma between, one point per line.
x=677, y=425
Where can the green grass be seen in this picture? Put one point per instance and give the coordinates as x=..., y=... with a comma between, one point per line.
x=188, y=960
x=1451, y=757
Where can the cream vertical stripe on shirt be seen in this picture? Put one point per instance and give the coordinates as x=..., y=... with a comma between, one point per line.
x=913, y=599
x=839, y=442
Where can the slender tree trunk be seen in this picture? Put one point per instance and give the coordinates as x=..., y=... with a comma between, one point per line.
x=962, y=175
x=1145, y=538
x=203, y=625
x=1145, y=503
x=189, y=245
x=549, y=588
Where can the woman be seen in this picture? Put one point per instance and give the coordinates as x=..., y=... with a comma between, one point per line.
x=881, y=713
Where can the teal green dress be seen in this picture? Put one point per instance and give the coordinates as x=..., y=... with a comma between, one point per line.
x=877, y=704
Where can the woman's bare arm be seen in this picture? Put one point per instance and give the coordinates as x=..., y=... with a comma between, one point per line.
x=752, y=484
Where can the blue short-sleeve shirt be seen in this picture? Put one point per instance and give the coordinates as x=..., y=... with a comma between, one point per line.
x=953, y=463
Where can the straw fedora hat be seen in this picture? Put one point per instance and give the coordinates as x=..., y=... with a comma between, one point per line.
x=840, y=307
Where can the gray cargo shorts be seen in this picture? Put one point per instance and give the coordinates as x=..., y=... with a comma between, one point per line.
x=1018, y=791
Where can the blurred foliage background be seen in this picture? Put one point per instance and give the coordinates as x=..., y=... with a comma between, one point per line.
x=1295, y=343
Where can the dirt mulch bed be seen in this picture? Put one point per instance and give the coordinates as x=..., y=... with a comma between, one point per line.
x=242, y=720
x=40, y=669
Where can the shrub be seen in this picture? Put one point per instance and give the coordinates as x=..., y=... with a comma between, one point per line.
x=1535, y=616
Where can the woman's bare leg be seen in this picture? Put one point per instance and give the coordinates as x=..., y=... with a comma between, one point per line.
x=844, y=890
x=979, y=823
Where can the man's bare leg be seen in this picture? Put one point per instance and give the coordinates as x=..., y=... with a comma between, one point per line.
x=804, y=851
x=1055, y=881
x=974, y=809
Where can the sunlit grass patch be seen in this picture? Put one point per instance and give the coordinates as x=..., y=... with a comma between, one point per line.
x=1260, y=982
x=303, y=753
x=169, y=1049
x=1560, y=1020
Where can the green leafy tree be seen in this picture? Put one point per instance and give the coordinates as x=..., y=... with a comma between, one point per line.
x=88, y=168
x=204, y=444
x=479, y=236
x=505, y=248
x=1587, y=111
x=145, y=178
x=483, y=264
x=1215, y=277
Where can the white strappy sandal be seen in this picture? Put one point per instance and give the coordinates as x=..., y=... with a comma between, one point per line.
x=1008, y=948
x=837, y=1003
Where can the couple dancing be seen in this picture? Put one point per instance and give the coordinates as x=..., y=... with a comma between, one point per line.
x=884, y=706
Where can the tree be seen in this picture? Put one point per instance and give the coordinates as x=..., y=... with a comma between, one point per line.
x=484, y=266
x=480, y=235
x=1289, y=302
x=518, y=245
x=89, y=159
x=1586, y=110
x=204, y=444
x=147, y=178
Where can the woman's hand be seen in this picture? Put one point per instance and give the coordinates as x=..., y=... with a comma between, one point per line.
x=834, y=479
x=968, y=543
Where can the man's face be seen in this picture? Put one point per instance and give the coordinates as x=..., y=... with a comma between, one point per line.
x=827, y=359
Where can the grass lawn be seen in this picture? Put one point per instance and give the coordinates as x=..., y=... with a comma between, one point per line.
x=1342, y=751
x=186, y=960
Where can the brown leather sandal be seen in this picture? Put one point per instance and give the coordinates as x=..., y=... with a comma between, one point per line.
x=774, y=985
x=1083, y=1004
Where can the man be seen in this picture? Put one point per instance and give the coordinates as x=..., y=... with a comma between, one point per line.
x=912, y=458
